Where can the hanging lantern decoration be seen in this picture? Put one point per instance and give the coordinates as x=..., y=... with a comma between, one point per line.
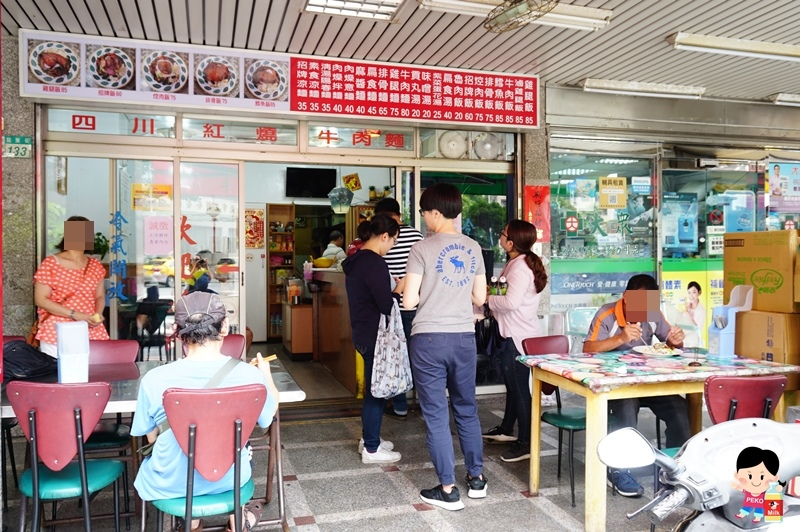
x=340, y=199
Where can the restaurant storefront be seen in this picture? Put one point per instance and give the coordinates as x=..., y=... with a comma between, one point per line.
x=165, y=185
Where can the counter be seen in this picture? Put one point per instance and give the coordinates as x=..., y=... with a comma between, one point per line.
x=331, y=338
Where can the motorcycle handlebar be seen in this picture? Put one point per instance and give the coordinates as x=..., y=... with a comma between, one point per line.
x=668, y=505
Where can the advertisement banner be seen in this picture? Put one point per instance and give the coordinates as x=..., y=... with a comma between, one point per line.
x=536, y=206
x=613, y=192
x=105, y=69
x=679, y=222
x=146, y=197
x=687, y=303
x=589, y=283
x=158, y=235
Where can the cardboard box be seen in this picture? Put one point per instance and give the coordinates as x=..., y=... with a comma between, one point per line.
x=767, y=261
x=770, y=336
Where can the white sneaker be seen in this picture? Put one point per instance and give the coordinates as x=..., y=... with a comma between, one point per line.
x=381, y=456
x=549, y=400
x=385, y=444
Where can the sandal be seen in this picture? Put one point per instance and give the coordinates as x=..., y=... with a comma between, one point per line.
x=252, y=515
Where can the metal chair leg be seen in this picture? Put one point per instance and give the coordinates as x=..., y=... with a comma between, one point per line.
x=116, y=505
x=572, y=465
x=23, y=510
x=560, y=439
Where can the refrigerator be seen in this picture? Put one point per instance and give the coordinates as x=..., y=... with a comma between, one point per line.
x=256, y=270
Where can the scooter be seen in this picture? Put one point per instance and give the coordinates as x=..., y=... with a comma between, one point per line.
x=702, y=475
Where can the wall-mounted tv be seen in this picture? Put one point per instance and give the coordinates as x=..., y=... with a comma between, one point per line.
x=309, y=182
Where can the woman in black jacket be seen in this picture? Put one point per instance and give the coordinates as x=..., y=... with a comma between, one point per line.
x=369, y=294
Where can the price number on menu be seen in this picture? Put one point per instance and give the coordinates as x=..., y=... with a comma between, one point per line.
x=20, y=147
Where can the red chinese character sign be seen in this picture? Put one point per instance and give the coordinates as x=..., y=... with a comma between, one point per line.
x=536, y=206
x=187, y=75
x=389, y=91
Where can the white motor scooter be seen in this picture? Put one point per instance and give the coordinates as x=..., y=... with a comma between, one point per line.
x=701, y=475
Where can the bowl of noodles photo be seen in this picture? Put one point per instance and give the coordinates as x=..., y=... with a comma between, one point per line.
x=53, y=63
x=165, y=71
x=110, y=68
x=266, y=80
x=216, y=76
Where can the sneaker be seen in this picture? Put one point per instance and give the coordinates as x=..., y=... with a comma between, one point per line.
x=477, y=487
x=381, y=456
x=518, y=452
x=549, y=400
x=497, y=434
x=388, y=410
x=438, y=497
x=385, y=444
x=625, y=484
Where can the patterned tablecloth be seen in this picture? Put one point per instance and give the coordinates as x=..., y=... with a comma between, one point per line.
x=601, y=372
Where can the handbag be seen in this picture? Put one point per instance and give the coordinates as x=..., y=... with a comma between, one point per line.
x=31, y=339
x=22, y=361
x=391, y=370
x=488, y=339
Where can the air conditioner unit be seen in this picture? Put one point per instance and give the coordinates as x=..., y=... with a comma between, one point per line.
x=487, y=146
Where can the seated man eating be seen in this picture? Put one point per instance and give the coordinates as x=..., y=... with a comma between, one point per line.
x=201, y=323
x=620, y=326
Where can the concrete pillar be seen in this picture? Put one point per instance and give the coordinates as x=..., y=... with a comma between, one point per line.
x=19, y=197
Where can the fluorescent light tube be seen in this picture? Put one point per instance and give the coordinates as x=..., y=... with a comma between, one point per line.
x=784, y=98
x=563, y=15
x=741, y=47
x=635, y=88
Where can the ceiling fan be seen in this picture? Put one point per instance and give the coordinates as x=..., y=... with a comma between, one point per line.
x=512, y=14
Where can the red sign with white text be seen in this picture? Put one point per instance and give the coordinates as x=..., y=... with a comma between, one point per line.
x=332, y=87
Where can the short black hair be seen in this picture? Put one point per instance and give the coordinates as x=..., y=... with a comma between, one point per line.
x=642, y=282
x=388, y=206
x=444, y=197
x=752, y=456
x=383, y=223
x=696, y=285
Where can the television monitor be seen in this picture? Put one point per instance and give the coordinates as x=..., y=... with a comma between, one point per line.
x=309, y=182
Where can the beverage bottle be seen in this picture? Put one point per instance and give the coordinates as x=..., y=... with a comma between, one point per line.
x=493, y=286
x=773, y=504
x=503, y=286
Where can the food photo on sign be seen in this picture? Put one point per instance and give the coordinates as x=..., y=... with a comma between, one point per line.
x=164, y=71
x=266, y=79
x=216, y=75
x=108, y=67
x=54, y=63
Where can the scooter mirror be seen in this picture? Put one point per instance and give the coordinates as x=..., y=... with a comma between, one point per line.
x=626, y=449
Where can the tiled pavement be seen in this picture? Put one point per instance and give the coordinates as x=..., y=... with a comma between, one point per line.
x=329, y=489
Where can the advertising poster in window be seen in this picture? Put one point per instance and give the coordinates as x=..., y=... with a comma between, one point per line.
x=613, y=192
x=686, y=297
x=583, y=194
x=679, y=222
x=783, y=186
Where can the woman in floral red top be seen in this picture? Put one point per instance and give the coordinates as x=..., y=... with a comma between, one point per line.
x=68, y=286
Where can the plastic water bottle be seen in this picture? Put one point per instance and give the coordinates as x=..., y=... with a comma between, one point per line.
x=493, y=286
x=503, y=286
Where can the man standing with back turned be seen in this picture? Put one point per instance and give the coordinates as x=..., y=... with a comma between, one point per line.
x=396, y=259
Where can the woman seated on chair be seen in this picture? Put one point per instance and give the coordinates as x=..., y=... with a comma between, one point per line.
x=201, y=323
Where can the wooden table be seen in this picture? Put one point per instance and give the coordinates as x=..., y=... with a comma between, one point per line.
x=601, y=377
x=125, y=379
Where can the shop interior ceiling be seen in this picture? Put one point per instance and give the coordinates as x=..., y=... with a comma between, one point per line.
x=633, y=47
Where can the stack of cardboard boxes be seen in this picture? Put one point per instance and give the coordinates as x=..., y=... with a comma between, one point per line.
x=769, y=262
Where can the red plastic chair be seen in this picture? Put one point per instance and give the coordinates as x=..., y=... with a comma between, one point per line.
x=570, y=419
x=730, y=398
x=233, y=346
x=59, y=419
x=113, y=351
x=211, y=426
x=109, y=438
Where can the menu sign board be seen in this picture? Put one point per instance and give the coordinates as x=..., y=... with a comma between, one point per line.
x=73, y=67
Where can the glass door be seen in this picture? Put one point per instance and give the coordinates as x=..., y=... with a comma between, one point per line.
x=142, y=260
x=209, y=232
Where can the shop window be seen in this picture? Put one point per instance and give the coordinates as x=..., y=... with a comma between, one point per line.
x=603, y=219
x=106, y=123
x=332, y=136
x=480, y=145
x=217, y=129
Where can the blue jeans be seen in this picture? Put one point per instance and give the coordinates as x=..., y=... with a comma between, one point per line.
x=372, y=409
x=400, y=402
x=518, y=394
x=446, y=362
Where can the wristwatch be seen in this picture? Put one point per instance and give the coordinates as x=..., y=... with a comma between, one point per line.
x=72, y=314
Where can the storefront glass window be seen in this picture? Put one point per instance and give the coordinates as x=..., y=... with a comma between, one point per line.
x=104, y=123
x=699, y=205
x=603, y=218
x=216, y=129
x=210, y=229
